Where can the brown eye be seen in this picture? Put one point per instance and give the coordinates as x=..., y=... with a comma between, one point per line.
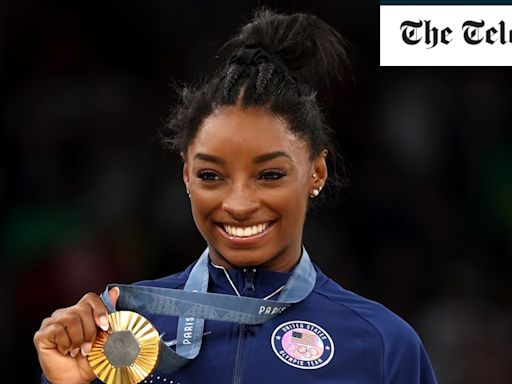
x=208, y=175
x=273, y=174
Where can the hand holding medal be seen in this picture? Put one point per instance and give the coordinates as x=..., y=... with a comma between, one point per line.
x=66, y=338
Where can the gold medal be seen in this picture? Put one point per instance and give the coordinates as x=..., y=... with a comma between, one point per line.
x=128, y=352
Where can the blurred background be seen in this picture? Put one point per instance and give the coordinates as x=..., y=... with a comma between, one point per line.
x=89, y=197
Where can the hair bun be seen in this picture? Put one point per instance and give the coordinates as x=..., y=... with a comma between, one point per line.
x=311, y=49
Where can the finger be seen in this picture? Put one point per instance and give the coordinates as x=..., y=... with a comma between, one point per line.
x=75, y=330
x=62, y=339
x=114, y=295
x=85, y=348
x=45, y=323
x=84, y=310
x=63, y=350
x=90, y=333
x=71, y=326
x=98, y=308
x=78, y=320
x=53, y=336
x=89, y=328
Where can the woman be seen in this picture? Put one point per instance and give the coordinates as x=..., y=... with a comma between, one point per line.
x=255, y=150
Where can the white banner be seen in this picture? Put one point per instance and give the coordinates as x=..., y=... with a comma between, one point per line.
x=445, y=35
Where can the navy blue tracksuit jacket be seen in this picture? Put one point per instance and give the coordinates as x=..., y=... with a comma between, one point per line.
x=332, y=337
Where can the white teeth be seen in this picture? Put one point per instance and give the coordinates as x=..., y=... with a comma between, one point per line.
x=245, y=231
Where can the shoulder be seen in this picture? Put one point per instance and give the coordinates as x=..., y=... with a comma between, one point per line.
x=404, y=356
x=370, y=313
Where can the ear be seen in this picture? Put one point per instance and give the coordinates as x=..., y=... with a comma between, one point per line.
x=319, y=171
x=186, y=177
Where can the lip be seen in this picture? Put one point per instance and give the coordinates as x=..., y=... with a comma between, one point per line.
x=249, y=240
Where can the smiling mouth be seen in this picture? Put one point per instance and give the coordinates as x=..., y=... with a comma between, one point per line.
x=245, y=232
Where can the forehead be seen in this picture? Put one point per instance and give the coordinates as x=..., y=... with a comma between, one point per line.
x=250, y=131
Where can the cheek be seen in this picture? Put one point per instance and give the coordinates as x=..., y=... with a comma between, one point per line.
x=291, y=205
x=203, y=203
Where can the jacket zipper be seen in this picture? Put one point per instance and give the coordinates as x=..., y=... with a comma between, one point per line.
x=248, y=290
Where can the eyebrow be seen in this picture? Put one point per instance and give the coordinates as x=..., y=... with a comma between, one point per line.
x=270, y=156
x=211, y=158
x=257, y=160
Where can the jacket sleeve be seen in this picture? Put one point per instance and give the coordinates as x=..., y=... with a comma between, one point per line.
x=406, y=360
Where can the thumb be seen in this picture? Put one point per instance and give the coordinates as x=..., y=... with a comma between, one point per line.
x=113, y=293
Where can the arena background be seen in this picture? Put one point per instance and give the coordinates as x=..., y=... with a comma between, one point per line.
x=88, y=196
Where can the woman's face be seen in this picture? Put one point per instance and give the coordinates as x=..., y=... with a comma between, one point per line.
x=250, y=179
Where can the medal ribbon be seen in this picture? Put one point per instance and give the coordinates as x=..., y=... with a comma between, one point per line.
x=194, y=304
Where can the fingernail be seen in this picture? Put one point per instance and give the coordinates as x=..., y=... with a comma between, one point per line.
x=104, y=323
x=74, y=352
x=85, y=349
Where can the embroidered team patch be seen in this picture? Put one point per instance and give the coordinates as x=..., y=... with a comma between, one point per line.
x=302, y=344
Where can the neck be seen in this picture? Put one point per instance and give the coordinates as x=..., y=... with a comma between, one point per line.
x=278, y=263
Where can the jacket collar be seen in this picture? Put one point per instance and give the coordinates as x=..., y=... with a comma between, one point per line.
x=253, y=282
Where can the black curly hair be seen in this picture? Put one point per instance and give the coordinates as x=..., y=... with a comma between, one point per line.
x=297, y=53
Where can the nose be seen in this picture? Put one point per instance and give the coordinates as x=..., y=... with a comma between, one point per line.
x=241, y=201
